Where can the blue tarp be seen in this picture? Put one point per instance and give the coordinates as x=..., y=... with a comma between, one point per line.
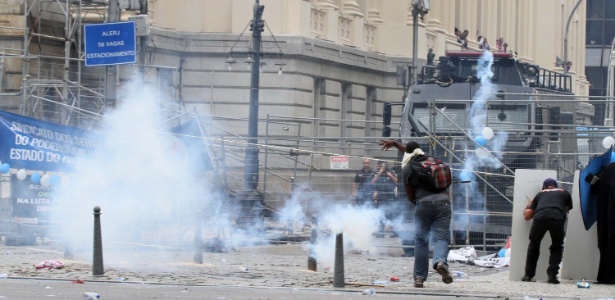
x=38, y=145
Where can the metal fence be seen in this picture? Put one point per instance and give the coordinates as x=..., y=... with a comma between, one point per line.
x=295, y=157
x=295, y=160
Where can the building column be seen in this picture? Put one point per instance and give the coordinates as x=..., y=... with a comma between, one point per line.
x=326, y=4
x=436, y=16
x=352, y=8
x=373, y=11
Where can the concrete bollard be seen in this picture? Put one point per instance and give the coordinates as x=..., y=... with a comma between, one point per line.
x=338, y=268
x=98, y=268
x=198, y=243
x=312, y=263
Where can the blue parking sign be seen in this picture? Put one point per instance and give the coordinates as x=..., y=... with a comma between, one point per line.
x=110, y=44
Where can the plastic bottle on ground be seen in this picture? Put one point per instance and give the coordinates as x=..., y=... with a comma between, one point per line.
x=91, y=295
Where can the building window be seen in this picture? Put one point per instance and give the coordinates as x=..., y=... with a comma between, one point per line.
x=345, y=29
x=594, y=33
x=370, y=36
x=609, y=10
x=609, y=32
x=595, y=9
x=317, y=22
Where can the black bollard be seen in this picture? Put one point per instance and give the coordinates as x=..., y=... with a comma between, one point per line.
x=312, y=263
x=338, y=268
x=198, y=243
x=98, y=268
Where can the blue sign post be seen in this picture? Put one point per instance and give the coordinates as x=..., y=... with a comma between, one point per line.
x=110, y=44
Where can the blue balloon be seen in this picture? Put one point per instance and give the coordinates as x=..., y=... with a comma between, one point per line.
x=54, y=180
x=502, y=252
x=480, y=140
x=5, y=168
x=466, y=175
x=35, y=178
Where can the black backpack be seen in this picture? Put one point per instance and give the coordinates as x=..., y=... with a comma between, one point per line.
x=432, y=173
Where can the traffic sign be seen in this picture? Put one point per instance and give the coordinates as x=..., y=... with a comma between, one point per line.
x=110, y=44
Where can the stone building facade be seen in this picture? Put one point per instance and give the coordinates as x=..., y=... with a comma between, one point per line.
x=339, y=56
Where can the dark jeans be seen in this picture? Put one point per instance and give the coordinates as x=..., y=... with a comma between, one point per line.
x=433, y=214
x=538, y=231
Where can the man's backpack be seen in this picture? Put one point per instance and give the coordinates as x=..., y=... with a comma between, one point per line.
x=432, y=173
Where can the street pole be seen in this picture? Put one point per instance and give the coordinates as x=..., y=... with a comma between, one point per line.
x=251, y=165
x=566, y=35
x=142, y=42
x=111, y=71
x=415, y=44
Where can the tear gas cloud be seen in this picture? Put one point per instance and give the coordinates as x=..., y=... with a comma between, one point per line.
x=139, y=176
x=478, y=121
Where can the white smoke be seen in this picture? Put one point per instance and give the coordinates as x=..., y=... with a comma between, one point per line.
x=141, y=179
x=491, y=155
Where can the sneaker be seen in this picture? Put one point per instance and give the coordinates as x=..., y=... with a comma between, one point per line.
x=418, y=282
x=526, y=278
x=553, y=280
x=442, y=269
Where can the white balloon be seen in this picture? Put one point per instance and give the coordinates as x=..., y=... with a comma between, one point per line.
x=481, y=152
x=46, y=180
x=487, y=133
x=608, y=142
x=22, y=174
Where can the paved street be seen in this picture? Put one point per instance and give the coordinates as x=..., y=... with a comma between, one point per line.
x=55, y=289
x=255, y=272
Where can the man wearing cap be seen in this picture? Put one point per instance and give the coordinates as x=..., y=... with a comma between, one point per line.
x=432, y=215
x=549, y=209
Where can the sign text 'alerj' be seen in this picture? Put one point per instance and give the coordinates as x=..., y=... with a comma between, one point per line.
x=110, y=44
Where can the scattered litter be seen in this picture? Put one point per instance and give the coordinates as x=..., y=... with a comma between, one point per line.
x=394, y=279
x=91, y=295
x=379, y=282
x=49, y=264
x=77, y=281
x=583, y=284
x=121, y=279
x=243, y=269
x=460, y=274
x=493, y=262
x=47, y=287
x=368, y=292
x=4, y=276
x=463, y=255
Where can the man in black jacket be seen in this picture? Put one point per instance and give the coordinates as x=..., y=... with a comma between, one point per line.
x=549, y=209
